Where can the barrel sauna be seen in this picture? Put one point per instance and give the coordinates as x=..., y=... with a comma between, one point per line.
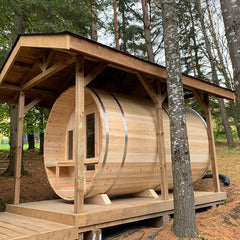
x=121, y=144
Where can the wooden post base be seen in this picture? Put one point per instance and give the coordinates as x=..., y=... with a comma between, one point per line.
x=93, y=235
x=80, y=236
x=149, y=193
x=159, y=221
x=99, y=199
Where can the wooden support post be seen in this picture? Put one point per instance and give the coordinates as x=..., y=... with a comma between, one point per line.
x=204, y=103
x=160, y=221
x=80, y=236
x=212, y=149
x=80, y=133
x=158, y=100
x=95, y=234
x=18, y=156
x=161, y=148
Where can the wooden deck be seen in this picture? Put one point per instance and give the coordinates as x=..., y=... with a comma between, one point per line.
x=97, y=216
x=13, y=226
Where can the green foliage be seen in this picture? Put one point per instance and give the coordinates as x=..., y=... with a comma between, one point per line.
x=190, y=38
x=45, y=16
x=6, y=147
x=32, y=118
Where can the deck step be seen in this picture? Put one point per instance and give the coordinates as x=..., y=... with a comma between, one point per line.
x=17, y=227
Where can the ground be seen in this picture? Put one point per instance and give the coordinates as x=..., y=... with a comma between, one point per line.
x=221, y=223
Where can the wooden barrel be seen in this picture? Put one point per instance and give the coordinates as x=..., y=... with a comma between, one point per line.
x=121, y=144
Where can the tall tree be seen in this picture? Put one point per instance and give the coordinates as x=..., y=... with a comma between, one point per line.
x=19, y=27
x=223, y=68
x=212, y=62
x=231, y=18
x=190, y=39
x=93, y=26
x=130, y=33
x=115, y=23
x=147, y=31
x=29, y=128
x=184, y=224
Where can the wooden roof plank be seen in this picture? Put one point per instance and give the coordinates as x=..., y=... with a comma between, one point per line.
x=54, y=41
x=70, y=43
x=137, y=65
x=10, y=61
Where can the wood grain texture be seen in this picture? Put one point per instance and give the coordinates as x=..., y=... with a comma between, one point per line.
x=80, y=133
x=122, y=210
x=13, y=226
x=18, y=157
x=141, y=169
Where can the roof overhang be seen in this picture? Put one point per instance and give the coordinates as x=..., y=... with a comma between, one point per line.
x=42, y=64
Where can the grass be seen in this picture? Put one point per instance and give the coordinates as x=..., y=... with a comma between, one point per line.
x=7, y=146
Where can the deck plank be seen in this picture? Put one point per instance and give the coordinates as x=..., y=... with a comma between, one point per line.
x=13, y=226
x=121, y=210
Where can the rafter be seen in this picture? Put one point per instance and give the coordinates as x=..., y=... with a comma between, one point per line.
x=200, y=100
x=47, y=59
x=31, y=105
x=148, y=87
x=96, y=71
x=48, y=73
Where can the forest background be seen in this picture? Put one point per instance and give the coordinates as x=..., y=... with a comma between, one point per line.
x=134, y=27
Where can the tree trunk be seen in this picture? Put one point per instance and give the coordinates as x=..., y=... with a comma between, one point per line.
x=224, y=70
x=41, y=149
x=222, y=107
x=188, y=40
x=31, y=143
x=122, y=10
x=94, y=35
x=231, y=18
x=116, y=25
x=234, y=112
x=19, y=27
x=13, y=137
x=41, y=132
x=225, y=123
x=147, y=31
x=196, y=49
x=184, y=225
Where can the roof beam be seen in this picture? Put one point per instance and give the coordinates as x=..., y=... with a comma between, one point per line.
x=10, y=87
x=48, y=73
x=148, y=87
x=133, y=64
x=10, y=61
x=31, y=105
x=97, y=70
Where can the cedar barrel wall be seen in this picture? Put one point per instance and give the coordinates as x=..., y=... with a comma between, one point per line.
x=126, y=158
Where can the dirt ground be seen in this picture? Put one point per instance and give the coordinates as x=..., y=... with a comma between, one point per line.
x=222, y=223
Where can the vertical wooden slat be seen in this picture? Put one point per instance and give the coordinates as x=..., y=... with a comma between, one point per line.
x=205, y=105
x=57, y=177
x=80, y=134
x=158, y=101
x=161, y=149
x=212, y=149
x=18, y=156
